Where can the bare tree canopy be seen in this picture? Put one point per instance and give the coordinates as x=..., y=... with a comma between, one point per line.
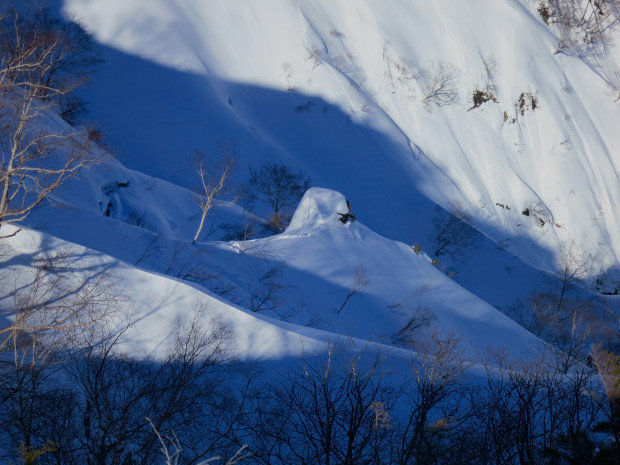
x=42, y=60
x=277, y=186
x=214, y=176
x=47, y=57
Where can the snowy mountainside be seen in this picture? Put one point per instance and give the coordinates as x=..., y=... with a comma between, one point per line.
x=314, y=265
x=440, y=284
x=348, y=92
x=340, y=89
x=155, y=301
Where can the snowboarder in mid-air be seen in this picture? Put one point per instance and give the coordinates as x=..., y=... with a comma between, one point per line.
x=346, y=217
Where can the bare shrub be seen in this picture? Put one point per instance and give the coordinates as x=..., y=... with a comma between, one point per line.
x=287, y=74
x=540, y=212
x=587, y=29
x=239, y=231
x=315, y=57
x=304, y=107
x=277, y=186
x=214, y=176
x=405, y=70
x=360, y=281
x=583, y=27
x=139, y=220
x=417, y=319
x=269, y=293
x=343, y=64
x=439, y=86
x=489, y=74
x=543, y=11
x=480, y=97
x=190, y=266
x=453, y=236
x=526, y=102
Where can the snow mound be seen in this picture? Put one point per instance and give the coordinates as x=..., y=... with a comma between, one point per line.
x=318, y=206
x=153, y=302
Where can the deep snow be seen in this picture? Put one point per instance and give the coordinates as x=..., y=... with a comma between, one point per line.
x=337, y=89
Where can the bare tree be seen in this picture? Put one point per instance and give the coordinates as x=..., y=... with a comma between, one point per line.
x=51, y=307
x=573, y=266
x=452, y=234
x=40, y=64
x=67, y=52
x=570, y=328
x=213, y=179
x=186, y=392
x=360, y=281
x=583, y=25
x=527, y=413
x=277, y=186
x=336, y=410
x=432, y=398
x=440, y=87
x=48, y=309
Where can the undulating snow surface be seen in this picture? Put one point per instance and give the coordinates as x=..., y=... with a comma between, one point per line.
x=338, y=89
x=341, y=90
x=319, y=257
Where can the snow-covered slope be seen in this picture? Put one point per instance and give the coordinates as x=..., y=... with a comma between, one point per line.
x=151, y=303
x=317, y=259
x=338, y=88
x=347, y=91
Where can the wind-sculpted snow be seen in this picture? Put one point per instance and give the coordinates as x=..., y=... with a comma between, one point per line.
x=317, y=207
x=319, y=257
x=399, y=281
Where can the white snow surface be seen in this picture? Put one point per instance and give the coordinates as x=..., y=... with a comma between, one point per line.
x=154, y=302
x=319, y=255
x=254, y=64
x=337, y=89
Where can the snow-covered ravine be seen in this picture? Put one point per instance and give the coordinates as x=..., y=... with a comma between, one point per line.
x=338, y=89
